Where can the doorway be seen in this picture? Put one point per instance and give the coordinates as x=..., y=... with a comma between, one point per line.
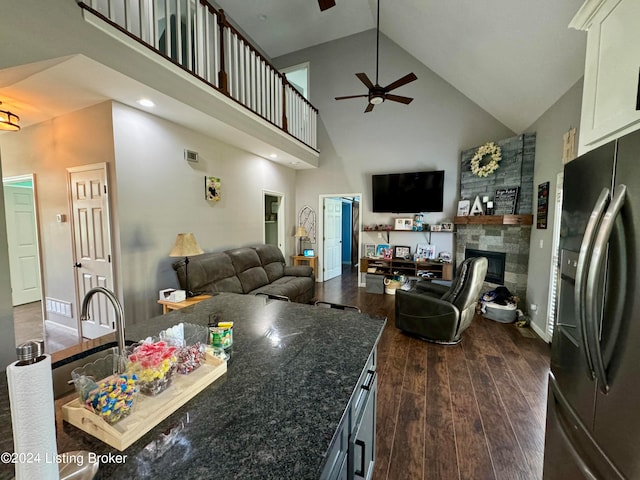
x=274, y=220
x=25, y=263
x=91, y=233
x=339, y=233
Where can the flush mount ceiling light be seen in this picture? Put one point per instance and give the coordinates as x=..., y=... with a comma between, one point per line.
x=9, y=121
x=273, y=155
x=145, y=102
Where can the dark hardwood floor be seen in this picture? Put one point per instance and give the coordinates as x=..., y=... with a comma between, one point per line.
x=28, y=325
x=475, y=410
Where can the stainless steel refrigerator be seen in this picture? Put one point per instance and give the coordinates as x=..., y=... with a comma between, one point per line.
x=593, y=410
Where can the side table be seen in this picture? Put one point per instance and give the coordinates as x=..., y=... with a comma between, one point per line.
x=311, y=261
x=167, y=306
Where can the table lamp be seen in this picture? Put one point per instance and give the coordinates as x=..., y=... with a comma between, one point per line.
x=186, y=245
x=301, y=232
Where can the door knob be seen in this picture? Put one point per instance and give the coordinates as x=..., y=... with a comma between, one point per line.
x=77, y=265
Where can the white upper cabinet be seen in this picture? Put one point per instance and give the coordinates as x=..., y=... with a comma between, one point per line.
x=610, y=102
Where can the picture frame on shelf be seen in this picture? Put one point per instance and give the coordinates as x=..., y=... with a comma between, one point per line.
x=447, y=226
x=400, y=251
x=431, y=252
x=382, y=250
x=463, y=208
x=369, y=250
x=435, y=228
x=422, y=250
x=403, y=224
x=445, y=257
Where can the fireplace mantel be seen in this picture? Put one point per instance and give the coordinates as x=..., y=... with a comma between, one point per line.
x=494, y=220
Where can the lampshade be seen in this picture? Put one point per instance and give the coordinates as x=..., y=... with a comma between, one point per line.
x=185, y=246
x=300, y=232
x=9, y=121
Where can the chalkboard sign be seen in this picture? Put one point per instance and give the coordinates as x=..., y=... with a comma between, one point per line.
x=505, y=201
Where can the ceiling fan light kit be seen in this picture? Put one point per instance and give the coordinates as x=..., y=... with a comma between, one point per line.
x=378, y=94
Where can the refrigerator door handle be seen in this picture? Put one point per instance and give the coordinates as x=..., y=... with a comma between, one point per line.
x=595, y=269
x=581, y=272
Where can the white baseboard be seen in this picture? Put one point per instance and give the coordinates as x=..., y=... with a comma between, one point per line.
x=542, y=334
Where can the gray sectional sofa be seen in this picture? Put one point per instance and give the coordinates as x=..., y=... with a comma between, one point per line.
x=251, y=270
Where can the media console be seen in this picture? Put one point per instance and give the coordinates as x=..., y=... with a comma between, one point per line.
x=423, y=268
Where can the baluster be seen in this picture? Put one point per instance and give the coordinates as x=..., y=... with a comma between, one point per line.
x=284, y=104
x=190, y=36
x=222, y=73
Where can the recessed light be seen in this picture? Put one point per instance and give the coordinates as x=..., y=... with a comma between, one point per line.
x=145, y=102
x=273, y=155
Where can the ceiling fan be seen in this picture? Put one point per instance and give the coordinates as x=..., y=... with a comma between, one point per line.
x=326, y=4
x=378, y=94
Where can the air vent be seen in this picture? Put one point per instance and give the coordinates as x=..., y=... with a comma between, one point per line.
x=190, y=156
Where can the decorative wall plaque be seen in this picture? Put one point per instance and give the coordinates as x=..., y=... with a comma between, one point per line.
x=505, y=201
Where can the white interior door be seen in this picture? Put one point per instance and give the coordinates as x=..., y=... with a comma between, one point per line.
x=92, y=244
x=22, y=238
x=332, y=237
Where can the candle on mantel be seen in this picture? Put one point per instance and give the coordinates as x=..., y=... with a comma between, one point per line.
x=489, y=208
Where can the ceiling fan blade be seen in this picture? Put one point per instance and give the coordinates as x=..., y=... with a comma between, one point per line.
x=326, y=4
x=351, y=96
x=364, y=79
x=410, y=77
x=398, y=98
x=369, y=108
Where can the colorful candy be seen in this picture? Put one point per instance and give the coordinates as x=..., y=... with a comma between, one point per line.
x=190, y=357
x=113, y=397
x=154, y=365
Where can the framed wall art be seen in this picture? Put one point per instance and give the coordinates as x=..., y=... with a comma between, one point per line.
x=212, y=188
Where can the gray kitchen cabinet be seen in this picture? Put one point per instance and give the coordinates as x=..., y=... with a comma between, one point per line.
x=352, y=453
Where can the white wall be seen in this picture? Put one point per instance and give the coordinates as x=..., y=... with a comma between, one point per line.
x=160, y=194
x=428, y=134
x=549, y=128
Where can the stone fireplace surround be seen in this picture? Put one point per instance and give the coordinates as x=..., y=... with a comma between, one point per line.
x=513, y=240
x=516, y=169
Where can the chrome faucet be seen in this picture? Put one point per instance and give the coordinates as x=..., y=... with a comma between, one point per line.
x=117, y=307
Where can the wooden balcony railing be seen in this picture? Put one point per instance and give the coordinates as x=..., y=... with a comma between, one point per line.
x=205, y=44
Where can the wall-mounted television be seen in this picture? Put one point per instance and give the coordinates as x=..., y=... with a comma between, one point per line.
x=411, y=192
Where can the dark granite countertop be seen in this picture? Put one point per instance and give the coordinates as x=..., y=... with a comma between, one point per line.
x=292, y=372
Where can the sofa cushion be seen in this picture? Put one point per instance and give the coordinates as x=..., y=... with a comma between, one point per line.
x=248, y=268
x=209, y=273
x=297, y=289
x=272, y=261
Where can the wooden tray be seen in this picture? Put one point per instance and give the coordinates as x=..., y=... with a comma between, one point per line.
x=147, y=411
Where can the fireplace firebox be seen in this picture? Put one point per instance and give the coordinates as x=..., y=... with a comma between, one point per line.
x=496, y=267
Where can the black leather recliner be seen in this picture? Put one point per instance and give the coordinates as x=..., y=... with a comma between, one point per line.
x=440, y=314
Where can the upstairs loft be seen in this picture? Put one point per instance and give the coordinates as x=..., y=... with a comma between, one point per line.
x=208, y=77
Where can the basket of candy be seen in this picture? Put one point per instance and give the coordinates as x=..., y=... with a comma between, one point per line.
x=104, y=390
x=153, y=363
x=191, y=341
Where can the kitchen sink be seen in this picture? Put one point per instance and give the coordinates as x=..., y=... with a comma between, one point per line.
x=62, y=368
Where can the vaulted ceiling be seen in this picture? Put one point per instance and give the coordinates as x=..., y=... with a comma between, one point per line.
x=514, y=58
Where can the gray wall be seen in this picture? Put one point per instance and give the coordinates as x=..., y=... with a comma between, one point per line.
x=7, y=334
x=47, y=149
x=428, y=134
x=549, y=128
x=160, y=194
